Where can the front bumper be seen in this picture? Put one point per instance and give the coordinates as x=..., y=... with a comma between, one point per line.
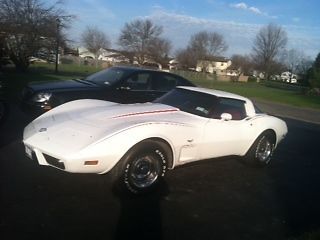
x=44, y=159
x=35, y=109
x=67, y=165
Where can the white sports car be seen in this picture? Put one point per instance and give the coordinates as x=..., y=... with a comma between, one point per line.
x=138, y=143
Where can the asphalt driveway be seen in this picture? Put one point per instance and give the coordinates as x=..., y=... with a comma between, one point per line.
x=282, y=110
x=215, y=199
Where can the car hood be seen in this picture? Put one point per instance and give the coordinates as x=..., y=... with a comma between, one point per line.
x=80, y=123
x=60, y=85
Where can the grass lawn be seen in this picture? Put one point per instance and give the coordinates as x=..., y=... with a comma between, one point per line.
x=262, y=92
x=268, y=92
x=14, y=83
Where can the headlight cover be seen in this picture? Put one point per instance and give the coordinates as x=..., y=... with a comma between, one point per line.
x=42, y=97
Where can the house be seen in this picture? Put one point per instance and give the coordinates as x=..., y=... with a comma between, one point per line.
x=107, y=55
x=217, y=65
x=112, y=56
x=85, y=53
x=232, y=72
x=258, y=74
x=152, y=64
x=173, y=64
x=288, y=77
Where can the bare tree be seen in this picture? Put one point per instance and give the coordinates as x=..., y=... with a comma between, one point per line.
x=138, y=37
x=95, y=40
x=208, y=44
x=159, y=49
x=296, y=62
x=202, y=46
x=198, y=45
x=216, y=44
x=304, y=65
x=268, y=44
x=242, y=63
x=28, y=26
x=186, y=57
x=292, y=58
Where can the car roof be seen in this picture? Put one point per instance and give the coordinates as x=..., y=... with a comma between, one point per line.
x=136, y=68
x=214, y=92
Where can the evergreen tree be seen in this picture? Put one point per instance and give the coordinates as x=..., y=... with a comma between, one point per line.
x=314, y=73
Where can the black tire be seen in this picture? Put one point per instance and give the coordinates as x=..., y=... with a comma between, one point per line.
x=142, y=168
x=260, y=153
x=3, y=111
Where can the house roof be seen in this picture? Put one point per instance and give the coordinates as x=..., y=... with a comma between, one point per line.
x=215, y=59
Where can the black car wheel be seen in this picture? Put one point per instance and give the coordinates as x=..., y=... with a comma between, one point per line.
x=261, y=151
x=142, y=168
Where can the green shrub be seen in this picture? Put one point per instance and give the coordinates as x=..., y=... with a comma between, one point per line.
x=252, y=79
x=314, y=77
x=66, y=61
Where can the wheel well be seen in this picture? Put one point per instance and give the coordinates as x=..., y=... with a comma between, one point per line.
x=160, y=140
x=272, y=134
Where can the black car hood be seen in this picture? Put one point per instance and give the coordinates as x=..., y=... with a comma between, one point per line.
x=61, y=85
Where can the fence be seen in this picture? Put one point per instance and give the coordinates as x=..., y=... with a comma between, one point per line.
x=66, y=59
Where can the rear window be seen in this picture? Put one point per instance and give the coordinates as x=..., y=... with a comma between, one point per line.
x=232, y=106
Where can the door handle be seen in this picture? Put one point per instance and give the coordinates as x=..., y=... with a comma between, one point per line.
x=124, y=88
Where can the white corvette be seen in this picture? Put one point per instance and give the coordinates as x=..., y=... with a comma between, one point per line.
x=138, y=143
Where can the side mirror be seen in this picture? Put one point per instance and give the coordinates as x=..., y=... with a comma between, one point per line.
x=226, y=116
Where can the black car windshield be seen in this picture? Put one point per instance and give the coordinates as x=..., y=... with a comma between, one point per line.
x=108, y=76
x=194, y=102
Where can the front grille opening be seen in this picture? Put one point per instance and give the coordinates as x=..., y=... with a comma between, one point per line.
x=54, y=161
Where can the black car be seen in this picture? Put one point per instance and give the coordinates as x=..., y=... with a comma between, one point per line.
x=115, y=84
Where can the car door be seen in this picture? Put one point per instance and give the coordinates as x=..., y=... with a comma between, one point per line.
x=223, y=137
x=135, y=88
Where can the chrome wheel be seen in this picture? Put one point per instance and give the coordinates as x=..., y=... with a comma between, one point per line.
x=144, y=171
x=142, y=167
x=264, y=150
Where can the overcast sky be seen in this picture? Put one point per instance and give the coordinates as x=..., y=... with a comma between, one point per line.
x=237, y=21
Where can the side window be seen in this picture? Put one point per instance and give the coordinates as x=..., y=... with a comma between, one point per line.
x=233, y=106
x=164, y=82
x=138, y=81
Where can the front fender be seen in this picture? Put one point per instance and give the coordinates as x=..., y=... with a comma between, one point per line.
x=111, y=149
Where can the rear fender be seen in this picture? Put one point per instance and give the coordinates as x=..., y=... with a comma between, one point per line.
x=263, y=123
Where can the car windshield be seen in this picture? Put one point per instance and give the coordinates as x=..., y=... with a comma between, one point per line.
x=107, y=77
x=193, y=102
